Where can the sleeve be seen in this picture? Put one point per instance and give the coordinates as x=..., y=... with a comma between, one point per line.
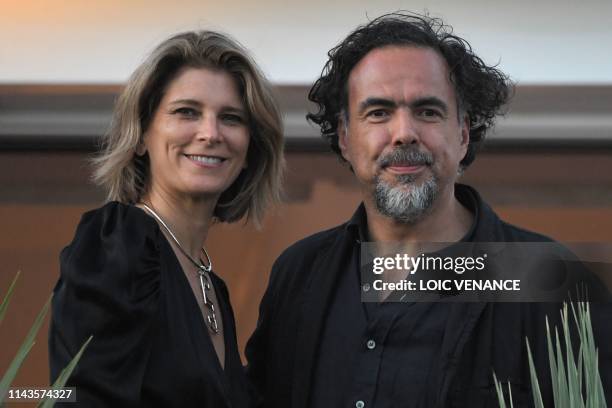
x=256, y=351
x=109, y=287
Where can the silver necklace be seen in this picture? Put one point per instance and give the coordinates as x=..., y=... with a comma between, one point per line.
x=203, y=272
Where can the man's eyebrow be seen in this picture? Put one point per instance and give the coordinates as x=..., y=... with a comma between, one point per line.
x=381, y=102
x=417, y=103
x=429, y=101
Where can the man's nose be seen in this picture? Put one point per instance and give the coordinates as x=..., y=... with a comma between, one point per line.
x=404, y=129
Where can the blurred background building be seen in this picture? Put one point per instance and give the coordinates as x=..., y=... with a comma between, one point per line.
x=548, y=167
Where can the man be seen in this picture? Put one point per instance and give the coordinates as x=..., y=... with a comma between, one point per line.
x=406, y=104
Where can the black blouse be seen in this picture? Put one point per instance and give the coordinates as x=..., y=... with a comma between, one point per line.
x=122, y=283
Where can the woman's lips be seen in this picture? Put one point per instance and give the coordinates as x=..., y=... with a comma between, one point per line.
x=206, y=161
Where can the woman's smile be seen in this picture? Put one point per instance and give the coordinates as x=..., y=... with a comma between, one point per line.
x=206, y=161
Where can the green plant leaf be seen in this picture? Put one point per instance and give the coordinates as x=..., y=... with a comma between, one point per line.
x=510, y=395
x=586, y=351
x=574, y=392
x=575, y=385
x=23, y=351
x=500, y=392
x=595, y=396
x=535, y=385
x=561, y=374
x=7, y=297
x=553, y=365
x=581, y=370
x=61, y=380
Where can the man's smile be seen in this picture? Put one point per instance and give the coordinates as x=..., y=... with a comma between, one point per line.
x=405, y=168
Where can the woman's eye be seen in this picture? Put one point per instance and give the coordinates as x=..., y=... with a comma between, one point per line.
x=187, y=112
x=232, y=118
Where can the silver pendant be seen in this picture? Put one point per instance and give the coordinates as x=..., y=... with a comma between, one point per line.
x=211, y=316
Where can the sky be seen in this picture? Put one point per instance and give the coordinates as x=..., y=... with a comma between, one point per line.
x=74, y=41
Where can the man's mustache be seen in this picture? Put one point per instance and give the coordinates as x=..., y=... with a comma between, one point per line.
x=406, y=156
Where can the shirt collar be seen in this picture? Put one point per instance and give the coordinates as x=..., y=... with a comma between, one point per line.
x=357, y=226
x=468, y=197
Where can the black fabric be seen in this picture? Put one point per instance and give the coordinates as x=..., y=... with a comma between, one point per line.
x=121, y=282
x=406, y=341
x=478, y=338
x=407, y=338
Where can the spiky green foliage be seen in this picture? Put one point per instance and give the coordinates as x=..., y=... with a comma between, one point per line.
x=535, y=385
x=23, y=351
x=7, y=297
x=25, y=348
x=61, y=380
x=576, y=383
x=588, y=357
x=500, y=393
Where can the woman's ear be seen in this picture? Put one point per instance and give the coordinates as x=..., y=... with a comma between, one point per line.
x=141, y=148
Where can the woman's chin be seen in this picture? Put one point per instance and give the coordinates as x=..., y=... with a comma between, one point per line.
x=204, y=192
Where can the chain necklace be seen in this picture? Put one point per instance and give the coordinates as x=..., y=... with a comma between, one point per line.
x=203, y=273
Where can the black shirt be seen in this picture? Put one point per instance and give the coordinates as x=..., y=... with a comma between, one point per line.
x=378, y=354
x=121, y=282
x=287, y=349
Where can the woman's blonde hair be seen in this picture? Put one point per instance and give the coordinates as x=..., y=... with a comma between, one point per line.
x=125, y=174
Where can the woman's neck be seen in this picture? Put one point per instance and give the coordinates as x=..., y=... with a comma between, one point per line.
x=188, y=218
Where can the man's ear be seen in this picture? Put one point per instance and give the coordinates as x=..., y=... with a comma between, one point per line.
x=465, y=133
x=342, y=131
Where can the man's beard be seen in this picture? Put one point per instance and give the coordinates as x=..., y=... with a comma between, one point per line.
x=406, y=201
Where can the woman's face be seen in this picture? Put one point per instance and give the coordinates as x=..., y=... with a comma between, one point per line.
x=198, y=138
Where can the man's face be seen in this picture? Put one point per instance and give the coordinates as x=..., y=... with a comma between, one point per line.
x=404, y=137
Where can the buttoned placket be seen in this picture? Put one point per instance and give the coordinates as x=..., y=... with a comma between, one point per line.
x=363, y=388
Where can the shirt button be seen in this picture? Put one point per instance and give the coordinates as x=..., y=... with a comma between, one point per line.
x=371, y=344
x=359, y=404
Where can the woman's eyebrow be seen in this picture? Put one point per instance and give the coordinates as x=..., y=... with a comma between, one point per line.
x=191, y=102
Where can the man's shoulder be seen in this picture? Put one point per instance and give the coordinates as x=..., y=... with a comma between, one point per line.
x=513, y=233
x=489, y=225
x=296, y=263
x=312, y=245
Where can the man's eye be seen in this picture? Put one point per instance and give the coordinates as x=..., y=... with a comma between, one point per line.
x=430, y=113
x=378, y=114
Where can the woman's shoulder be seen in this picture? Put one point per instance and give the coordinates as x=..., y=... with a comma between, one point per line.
x=109, y=287
x=114, y=244
x=115, y=222
x=116, y=217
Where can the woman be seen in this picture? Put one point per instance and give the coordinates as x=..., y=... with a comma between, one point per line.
x=196, y=137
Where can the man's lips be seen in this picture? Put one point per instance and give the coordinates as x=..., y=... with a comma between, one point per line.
x=405, y=168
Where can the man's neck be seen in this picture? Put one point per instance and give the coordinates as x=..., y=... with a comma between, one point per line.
x=447, y=221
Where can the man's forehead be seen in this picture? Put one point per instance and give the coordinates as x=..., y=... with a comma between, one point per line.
x=392, y=71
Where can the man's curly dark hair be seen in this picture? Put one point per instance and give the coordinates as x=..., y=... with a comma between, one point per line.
x=481, y=90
